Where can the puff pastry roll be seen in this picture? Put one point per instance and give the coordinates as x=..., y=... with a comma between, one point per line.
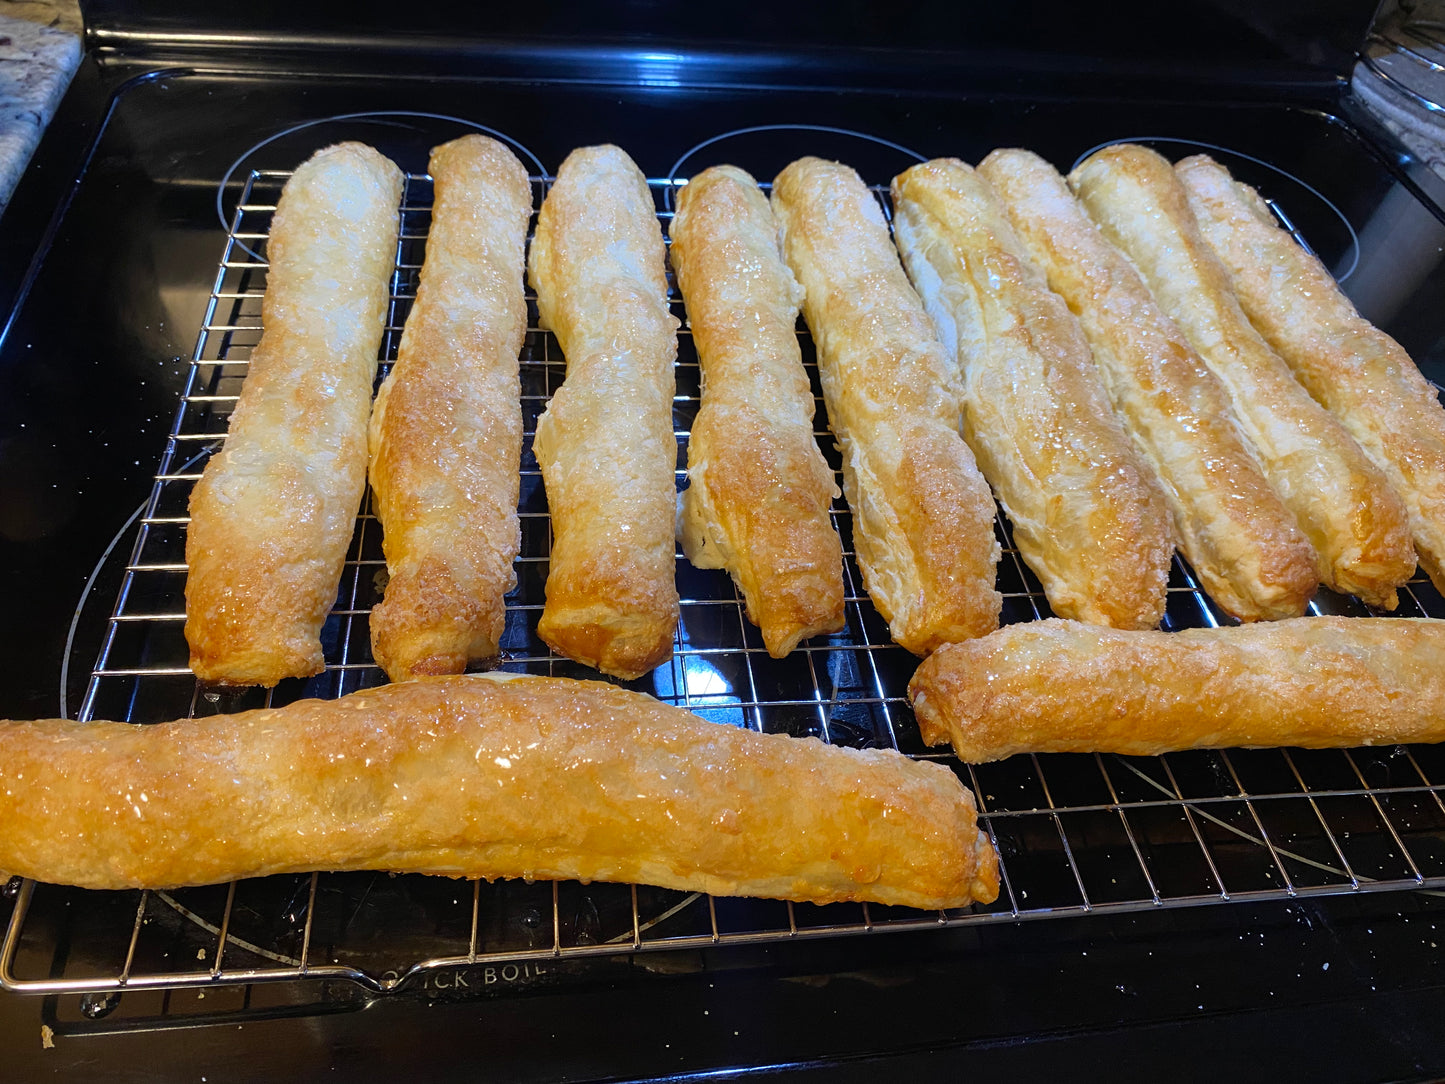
x=274, y=510
x=487, y=776
x=759, y=489
x=1357, y=371
x=605, y=444
x=1242, y=542
x=922, y=513
x=1064, y=687
x=1087, y=517
x=446, y=431
x=1344, y=505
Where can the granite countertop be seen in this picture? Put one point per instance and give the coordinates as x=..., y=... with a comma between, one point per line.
x=39, y=52
x=1405, y=93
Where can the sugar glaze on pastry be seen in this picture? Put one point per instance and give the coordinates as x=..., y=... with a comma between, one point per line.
x=1236, y=533
x=1344, y=504
x=922, y=513
x=605, y=443
x=1364, y=377
x=758, y=488
x=1064, y=687
x=274, y=510
x=481, y=776
x=446, y=430
x=1087, y=516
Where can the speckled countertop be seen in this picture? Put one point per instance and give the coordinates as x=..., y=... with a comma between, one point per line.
x=39, y=52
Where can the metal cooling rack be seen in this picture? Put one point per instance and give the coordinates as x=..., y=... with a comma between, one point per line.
x=1077, y=834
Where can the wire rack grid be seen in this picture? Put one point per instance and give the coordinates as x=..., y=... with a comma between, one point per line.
x=1076, y=834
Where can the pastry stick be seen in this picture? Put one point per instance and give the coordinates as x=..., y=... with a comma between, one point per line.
x=273, y=512
x=606, y=444
x=1344, y=505
x=1236, y=533
x=487, y=776
x=1087, y=517
x=446, y=431
x=922, y=513
x=758, y=488
x=1064, y=687
x=1357, y=371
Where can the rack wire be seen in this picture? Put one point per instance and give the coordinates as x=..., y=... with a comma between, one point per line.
x=1077, y=835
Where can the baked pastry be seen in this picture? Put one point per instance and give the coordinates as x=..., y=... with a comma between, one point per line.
x=1344, y=505
x=274, y=510
x=1087, y=517
x=605, y=444
x=922, y=513
x=446, y=431
x=1065, y=687
x=758, y=488
x=486, y=776
x=1357, y=371
x=1234, y=530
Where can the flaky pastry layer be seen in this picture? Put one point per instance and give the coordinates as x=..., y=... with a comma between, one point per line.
x=1064, y=687
x=484, y=777
x=1344, y=504
x=1364, y=377
x=922, y=512
x=1232, y=527
x=446, y=431
x=758, y=488
x=273, y=512
x=1086, y=515
x=605, y=443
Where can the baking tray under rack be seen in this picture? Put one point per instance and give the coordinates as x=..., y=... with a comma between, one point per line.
x=1077, y=834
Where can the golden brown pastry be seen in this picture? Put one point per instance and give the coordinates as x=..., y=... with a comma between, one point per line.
x=1241, y=540
x=487, y=776
x=759, y=490
x=1343, y=503
x=606, y=444
x=273, y=513
x=446, y=431
x=922, y=513
x=1065, y=687
x=1086, y=516
x=1357, y=371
